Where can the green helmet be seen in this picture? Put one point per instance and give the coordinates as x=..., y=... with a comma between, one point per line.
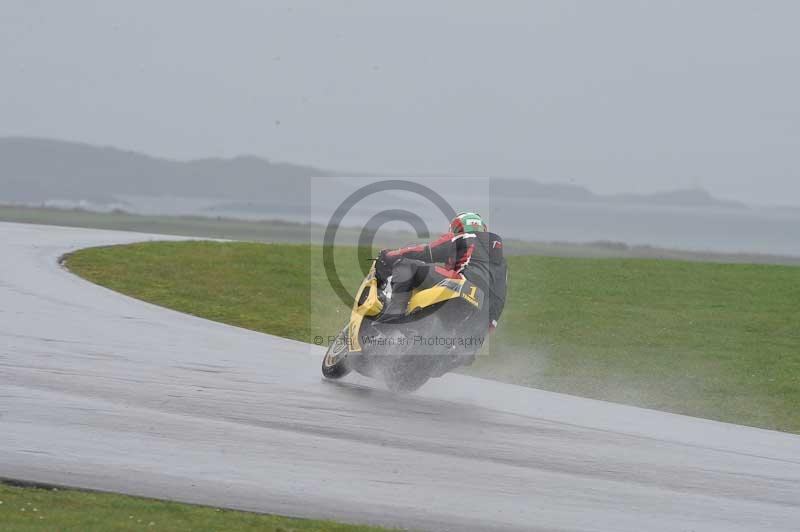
x=467, y=222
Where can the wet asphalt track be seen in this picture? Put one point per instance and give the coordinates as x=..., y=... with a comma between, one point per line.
x=101, y=391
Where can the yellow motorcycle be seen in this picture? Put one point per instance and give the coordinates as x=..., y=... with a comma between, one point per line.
x=443, y=327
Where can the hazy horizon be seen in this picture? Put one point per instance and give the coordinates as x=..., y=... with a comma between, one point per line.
x=618, y=97
x=345, y=173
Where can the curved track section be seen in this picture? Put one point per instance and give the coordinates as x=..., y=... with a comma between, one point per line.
x=102, y=391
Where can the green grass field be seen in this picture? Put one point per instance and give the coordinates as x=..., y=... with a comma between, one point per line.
x=48, y=510
x=719, y=341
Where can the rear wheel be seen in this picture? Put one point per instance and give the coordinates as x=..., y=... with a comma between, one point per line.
x=334, y=364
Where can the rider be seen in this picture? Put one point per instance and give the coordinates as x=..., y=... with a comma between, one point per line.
x=467, y=250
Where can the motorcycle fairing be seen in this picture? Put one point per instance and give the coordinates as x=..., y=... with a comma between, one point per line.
x=445, y=290
x=368, y=304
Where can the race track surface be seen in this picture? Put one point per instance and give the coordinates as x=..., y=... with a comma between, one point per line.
x=102, y=391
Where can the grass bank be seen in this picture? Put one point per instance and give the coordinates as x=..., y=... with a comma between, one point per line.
x=40, y=510
x=719, y=341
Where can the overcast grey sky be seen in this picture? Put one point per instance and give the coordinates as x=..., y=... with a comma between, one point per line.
x=616, y=96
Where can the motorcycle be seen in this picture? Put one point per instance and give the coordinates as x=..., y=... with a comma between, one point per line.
x=435, y=334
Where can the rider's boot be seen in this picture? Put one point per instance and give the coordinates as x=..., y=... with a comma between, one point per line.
x=395, y=309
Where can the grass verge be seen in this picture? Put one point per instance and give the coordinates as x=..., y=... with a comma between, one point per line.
x=25, y=509
x=719, y=341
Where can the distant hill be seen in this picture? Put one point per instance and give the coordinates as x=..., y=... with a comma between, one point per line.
x=33, y=170
x=527, y=188
x=690, y=197
x=36, y=170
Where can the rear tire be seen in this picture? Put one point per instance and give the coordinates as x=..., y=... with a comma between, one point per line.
x=334, y=363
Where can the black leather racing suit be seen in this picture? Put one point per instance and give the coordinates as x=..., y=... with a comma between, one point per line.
x=476, y=256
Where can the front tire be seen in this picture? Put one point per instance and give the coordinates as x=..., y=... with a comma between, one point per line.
x=334, y=363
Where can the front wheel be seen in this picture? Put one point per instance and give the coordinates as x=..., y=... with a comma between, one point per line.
x=334, y=364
